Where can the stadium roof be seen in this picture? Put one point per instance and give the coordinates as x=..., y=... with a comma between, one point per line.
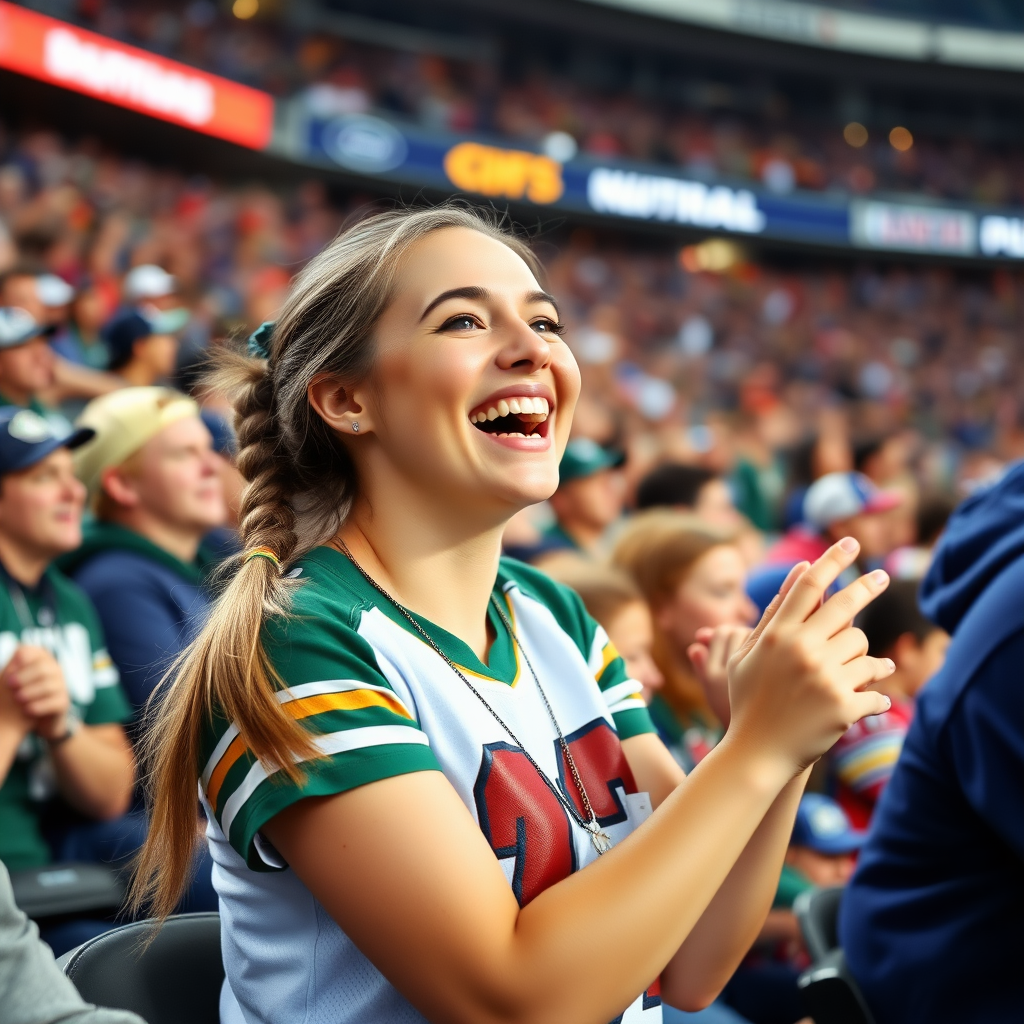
x=827, y=27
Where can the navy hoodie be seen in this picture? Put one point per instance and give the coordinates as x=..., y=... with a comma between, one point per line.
x=150, y=603
x=933, y=920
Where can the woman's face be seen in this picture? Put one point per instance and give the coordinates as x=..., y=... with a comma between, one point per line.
x=472, y=392
x=711, y=594
x=631, y=632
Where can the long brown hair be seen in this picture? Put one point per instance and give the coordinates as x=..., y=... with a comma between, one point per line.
x=301, y=483
x=658, y=549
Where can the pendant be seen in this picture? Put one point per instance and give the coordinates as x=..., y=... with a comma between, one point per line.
x=601, y=840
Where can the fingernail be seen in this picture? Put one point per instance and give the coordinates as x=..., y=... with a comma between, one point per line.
x=888, y=702
x=892, y=668
x=849, y=544
x=879, y=577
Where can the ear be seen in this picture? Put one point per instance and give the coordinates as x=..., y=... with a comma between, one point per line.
x=119, y=486
x=905, y=651
x=661, y=613
x=340, y=407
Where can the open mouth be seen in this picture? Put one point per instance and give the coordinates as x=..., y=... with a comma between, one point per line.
x=518, y=416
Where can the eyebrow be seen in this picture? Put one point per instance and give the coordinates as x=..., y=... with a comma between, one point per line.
x=479, y=294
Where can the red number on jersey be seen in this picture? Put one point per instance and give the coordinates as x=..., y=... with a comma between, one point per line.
x=522, y=818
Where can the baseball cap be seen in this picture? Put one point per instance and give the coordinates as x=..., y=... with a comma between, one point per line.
x=26, y=438
x=838, y=496
x=822, y=825
x=18, y=326
x=148, y=281
x=123, y=421
x=127, y=326
x=584, y=457
x=53, y=291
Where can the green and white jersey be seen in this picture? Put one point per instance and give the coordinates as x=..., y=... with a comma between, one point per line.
x=380, y=702
x=57, y=616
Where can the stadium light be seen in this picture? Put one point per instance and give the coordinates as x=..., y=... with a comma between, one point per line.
x=901, y=139
x=856, y=134
x=245, y=9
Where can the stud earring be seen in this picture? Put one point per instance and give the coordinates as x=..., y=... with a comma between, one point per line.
x=355, y=427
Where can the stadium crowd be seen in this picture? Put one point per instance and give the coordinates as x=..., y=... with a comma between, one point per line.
x=733, y=423
x=708, y=121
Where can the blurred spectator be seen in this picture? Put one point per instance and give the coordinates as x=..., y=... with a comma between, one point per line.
x=33, y=989
x=80, y=340
x=142, y=349
x=837, y=505
x=689, y=489
x=66, y=766
x=864, y=758
x=155, y=489
x=590, y=496
x=931, y=921
x=27, y=365
x=911, y=561
x=692, y=577
x=615, y=602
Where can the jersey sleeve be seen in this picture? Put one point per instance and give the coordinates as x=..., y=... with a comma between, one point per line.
x=334, y=689
x=622, y=695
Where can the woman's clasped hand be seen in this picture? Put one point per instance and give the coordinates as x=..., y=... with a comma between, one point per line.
x=798, y=681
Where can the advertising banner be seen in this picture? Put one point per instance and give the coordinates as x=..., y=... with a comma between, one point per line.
x=62, y=54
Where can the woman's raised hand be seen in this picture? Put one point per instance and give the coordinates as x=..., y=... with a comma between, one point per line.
x=797, y=683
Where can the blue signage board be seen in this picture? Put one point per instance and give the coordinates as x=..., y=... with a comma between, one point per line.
x=402, y=154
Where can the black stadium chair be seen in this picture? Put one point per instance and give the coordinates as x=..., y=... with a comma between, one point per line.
x=67, y=890
x=829, y=991
x=174, y=980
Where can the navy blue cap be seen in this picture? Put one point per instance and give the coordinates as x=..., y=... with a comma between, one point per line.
x=27, y=438
x=132, y=324
x=224, y=441
x=822, y=825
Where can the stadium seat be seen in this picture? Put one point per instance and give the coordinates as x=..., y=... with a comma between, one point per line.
x=175, y=979
x=817, y=911
x=67, y=890
x=829, y=992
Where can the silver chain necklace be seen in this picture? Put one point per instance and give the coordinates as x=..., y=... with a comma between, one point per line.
x=601, y=840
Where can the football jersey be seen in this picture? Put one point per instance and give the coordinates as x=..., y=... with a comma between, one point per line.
x=380, y=702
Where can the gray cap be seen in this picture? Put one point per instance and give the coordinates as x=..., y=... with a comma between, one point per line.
x=18, y=326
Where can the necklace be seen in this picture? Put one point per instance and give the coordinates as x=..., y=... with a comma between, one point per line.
x=600, y=839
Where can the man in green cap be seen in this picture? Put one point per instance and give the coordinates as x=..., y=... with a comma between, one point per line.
x=590, y=496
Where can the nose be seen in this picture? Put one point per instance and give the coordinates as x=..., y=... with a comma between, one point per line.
x=523, y=348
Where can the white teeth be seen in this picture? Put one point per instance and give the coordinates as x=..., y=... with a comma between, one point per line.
x=512, y=435
x=536, y=408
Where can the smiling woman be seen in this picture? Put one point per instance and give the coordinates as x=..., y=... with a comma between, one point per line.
x=428, y=778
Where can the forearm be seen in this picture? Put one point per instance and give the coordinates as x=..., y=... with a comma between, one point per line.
x=10, y=740
x=74, y=381
x=649, y=893
x=95, y=773
x=734, y=918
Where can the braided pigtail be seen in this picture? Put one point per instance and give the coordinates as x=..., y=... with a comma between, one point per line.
x=301, y=483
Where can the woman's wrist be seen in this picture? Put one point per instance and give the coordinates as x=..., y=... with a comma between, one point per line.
x=761, y=768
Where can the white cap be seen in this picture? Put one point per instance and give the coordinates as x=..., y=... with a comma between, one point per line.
x=148, y=281
x=837, y=496
x=53, y=291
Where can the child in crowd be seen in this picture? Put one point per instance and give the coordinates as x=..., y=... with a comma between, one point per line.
x=863, y=760
x=615, y=601
x=692, y=577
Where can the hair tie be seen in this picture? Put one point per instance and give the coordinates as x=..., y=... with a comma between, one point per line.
x=258, y=345
x=261, y=553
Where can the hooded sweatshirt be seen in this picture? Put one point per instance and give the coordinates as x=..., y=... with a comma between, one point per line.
x=933, y=919
x=151, y=604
